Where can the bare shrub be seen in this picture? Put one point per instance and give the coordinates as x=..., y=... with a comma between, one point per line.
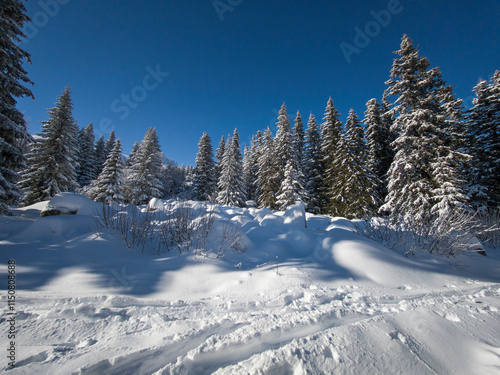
x=448, y=235
x=491, y=222
x=178, y=226
x=230, y=238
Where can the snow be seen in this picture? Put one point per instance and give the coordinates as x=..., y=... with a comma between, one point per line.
x=299, y=300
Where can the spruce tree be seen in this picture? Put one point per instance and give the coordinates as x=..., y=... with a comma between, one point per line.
x=231, y=186
x=283, y=146
x=101, y=154
x=353, y=192
x=484, y=124
x=266, y=172
x=299, y=141
x=331, y=133
x=313, y=166
x=291, y=190
x=110, y=143
x=133, y=154
x=379, y=150
x=52, y=160
x=416, y=190
x=355, y=137
x=204, y=186
x=13, y=132
x=144, y=176
x=86, y=170
x=219, y=155
x=251, y=166
x=109, y=187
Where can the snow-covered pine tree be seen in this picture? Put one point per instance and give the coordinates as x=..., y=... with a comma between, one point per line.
x=86, y=170
x=251, y=166
x=204, y=173
x=219, y=156
x=133, y=154
x=52, y=160
x=378, y=137
x=144, y=176
x=13, y=132
x=313, y=170
x=266, y=172
x=231, y=186
x=331, y=133
x=299, y=142
x=355, y=137
x=110, y=143
x=283, y=147
x=353, y=192
x=246, y=168
x=484, y=124
x=109, y=186
x=291, y=190
x=415, y=185
x=101, y=154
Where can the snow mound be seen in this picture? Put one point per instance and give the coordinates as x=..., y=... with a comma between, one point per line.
x=72, y=202
x=296, y=215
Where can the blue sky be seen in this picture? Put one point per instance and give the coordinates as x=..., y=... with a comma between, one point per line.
x=189, y=66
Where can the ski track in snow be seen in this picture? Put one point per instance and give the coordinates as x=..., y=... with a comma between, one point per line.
x=340, y=304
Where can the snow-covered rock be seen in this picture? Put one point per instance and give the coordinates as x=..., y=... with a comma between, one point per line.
x=70, y=204
x=155, y=204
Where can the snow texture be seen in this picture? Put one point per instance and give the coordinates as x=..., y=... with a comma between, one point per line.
x=315, y=300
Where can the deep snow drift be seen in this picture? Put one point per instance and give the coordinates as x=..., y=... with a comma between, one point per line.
x=315, y=300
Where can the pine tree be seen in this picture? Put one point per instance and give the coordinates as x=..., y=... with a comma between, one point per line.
x=291, y=190
x=355, y=137
x=101, y=154
x=283, y=143
x=379, y=151
x=313, y=166
x=133, y=154
x=331, y=133
x=415, y=187
x=353, y=192
x=86, y=170
x=266, y=172
x=231, y=186
x=204, y=173
x=13, y=132
x=219, y=155
x=109, y=185
x=144, y=178
x=484, y=124
x=299, y=143
x=251, y=166
x=110, y=143
x=51, y=163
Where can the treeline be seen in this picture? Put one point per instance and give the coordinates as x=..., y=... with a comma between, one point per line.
x=65, y=158
x=419, y=156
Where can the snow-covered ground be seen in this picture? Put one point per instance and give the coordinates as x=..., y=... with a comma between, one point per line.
x=315, y=300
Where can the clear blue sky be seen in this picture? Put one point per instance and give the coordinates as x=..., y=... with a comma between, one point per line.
x=234, y=68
